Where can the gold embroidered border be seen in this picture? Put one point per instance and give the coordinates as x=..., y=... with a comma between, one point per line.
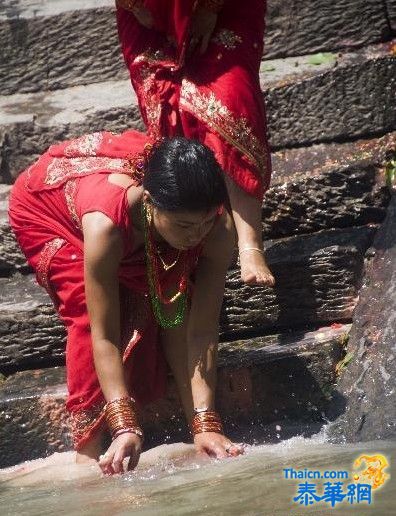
x=144, y=78
x=218, y=117
x=61, y=169
x=49, y=250
x=70, y=192
x=86, y=145
x=84, y=421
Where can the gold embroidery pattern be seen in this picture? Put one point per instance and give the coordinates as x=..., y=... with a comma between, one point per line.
x=218, y=117
x=86, y=145
x=227, y=39
x=84, y=421
x=42, y=269
x=70, y=192
x=146, y=65
x=60, y=169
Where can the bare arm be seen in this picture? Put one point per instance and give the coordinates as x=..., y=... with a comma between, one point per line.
x=203, y=325
x=102, y=254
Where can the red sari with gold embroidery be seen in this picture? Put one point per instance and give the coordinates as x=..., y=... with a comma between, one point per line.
x=46, y=207
x=215, y=98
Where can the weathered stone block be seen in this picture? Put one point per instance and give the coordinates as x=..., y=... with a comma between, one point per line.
x=274, y=378
x=52, y=44
x=318, y=277
x=60, y=49
x=327, y=185
x=307, y=26
x=11, y=257
x=30, y=332
x=349, y=97
x=367, y=386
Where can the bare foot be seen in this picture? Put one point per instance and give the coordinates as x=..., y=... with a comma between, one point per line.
x=254, y=269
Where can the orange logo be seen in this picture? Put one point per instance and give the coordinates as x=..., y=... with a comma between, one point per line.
x=374, y=472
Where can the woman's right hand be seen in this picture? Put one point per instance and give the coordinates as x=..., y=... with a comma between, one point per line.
x=141, y=13
x=125, y=445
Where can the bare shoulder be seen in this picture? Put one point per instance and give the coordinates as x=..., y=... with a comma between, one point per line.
x=102, y=238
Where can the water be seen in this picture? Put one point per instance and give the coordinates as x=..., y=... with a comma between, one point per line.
x=171, y=481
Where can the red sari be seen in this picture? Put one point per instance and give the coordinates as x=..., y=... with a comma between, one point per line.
x=46, y=207
x=215, y=98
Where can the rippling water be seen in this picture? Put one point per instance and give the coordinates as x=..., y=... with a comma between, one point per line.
x=171, y=481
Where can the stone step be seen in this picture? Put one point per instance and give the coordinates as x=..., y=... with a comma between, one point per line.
x=266, y=381
x=318, y=277
x=51, y=44
x=346, y=98
x=327, y=186
x=315, y=188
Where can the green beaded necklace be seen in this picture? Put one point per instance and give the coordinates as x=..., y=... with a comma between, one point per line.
x=153, y=280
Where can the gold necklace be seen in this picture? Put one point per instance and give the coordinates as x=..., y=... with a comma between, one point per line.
x=164, y=264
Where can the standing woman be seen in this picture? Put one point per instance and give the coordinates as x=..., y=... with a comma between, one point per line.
x=116, y=255
x=194, y=65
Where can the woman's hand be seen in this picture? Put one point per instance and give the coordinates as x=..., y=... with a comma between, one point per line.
x=202, y=27
x=141, y=13
x=125, y=445
x=216, y=445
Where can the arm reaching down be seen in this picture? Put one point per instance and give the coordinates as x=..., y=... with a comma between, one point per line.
x=102, y=253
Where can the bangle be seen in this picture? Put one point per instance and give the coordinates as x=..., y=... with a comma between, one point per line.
x=200, y=410
x=121, y=415
x=251, y=249
x=208, y=421
x=215, y=6
x=138, y=431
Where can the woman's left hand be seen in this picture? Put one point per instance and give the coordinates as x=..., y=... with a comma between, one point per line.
x=217, y=445
x=202, y=27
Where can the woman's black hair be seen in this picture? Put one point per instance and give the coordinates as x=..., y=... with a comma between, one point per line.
x=184, y=175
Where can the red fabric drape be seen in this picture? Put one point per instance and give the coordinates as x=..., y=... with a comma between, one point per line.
x=215, y=97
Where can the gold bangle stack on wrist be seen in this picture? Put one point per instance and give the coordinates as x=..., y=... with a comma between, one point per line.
x=206, y=421
x=214, y=6
x=121, y=417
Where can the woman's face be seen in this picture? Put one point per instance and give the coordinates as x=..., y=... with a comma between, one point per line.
x=183, y=229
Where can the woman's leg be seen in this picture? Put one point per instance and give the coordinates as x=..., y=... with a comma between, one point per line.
x=91, y=450
x=246, y=210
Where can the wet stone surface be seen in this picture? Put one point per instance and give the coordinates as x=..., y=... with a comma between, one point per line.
x=270, y=379
x=367, y=386
x=318, y=277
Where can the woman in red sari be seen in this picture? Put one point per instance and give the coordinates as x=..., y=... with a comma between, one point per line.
x=194, y=65
x=116, y=256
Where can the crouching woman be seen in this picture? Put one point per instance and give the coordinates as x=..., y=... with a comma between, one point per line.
x=132, y=242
